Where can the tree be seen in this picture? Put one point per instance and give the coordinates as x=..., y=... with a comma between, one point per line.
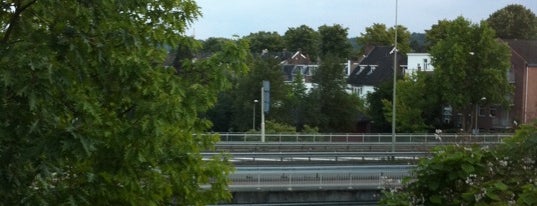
x=302, y=38
x=249, y=88
x=418, y=106
x=469, y=175
x=333, y=41
x=90, y=115
x=376, y=108
x=221, y=115
x=272, y=41
x=514, y=22
x=297, y=101
x=213, y=45
x=417, y=42
x=436, y=33
x=470, y=66
x=331, y=108
x=379, y=35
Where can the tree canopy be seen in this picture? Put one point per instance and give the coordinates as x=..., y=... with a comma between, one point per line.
x=470, y=175
x=331, y=109
x=470, y=65
x=91, y=116
x=248, y=89
x=303, y=38
x=418, y=106
x=514, y=22
x=333, y=41
x=259, y=41
x=380, y=35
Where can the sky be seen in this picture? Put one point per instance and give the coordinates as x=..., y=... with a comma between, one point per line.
x=227, y=18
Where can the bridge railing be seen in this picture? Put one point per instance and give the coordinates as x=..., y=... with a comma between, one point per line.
x=319, y=156
x=366, y=137
x=316, y=181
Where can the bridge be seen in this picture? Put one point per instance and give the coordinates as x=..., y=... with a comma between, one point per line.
x=328, y=168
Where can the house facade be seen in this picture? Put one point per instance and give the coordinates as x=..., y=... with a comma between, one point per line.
x=523, y=106
x=296, y=64
x=375, y=68
x=417, y=62
x=523, y=75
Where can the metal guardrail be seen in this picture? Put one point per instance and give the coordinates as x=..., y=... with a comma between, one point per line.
x=351, y=142
x=315, y=178
x=366, y=137
x=319, y=156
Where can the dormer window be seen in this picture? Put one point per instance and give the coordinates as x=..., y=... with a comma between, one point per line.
x=362, y=67
x=372, y=69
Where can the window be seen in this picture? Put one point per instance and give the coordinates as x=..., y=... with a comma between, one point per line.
x=357, y=90
x=492, y=112
x=425, y=64
x=372, y=69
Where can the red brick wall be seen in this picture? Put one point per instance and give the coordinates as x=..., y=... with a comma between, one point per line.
x=531, y=106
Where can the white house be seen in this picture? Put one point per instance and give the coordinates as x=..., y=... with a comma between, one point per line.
x=418, y=62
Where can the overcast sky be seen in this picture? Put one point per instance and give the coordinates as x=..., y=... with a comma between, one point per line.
x=225, y=18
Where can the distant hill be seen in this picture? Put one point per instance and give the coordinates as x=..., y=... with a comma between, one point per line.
x=354, y=43
x=417, y=42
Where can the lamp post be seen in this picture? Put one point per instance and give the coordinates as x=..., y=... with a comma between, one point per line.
x=394, y=79
x=253, y=119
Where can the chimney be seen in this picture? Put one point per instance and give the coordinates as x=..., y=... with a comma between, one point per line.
x=349, y=67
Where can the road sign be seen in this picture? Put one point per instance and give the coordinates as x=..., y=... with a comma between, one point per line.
x=266, y=96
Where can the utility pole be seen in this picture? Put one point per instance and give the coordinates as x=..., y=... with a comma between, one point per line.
x=262, y=114
x=394, y=80
x=265, y=106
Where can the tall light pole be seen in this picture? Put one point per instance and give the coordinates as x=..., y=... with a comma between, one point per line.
x=262, y=114
x=253, y=119
x=394, y=80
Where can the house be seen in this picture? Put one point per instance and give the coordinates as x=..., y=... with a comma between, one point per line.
x=523, y=73
x=374, y=69
x=418, y=62
x=523, y=108
x=298, y=63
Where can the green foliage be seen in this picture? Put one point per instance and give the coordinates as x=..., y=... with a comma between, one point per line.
x=89, y=115
x=222, y=113
x=514, y=22
x=437, y=32
x=376, y=110
x=417, y=42
x=302, y=38
x=310, y=130
x=458, y=175
x=248, y=88
x=277, y=127
x=331, y=108
x=379, y=35
x=333, y=42
x=469, y=64
x=297, y=102
x=213, y=45
x=272, y=41
x=417, y=106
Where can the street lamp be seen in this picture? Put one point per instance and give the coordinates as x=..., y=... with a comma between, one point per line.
x=253, y=119
x=394, y=79
x=476, y=129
